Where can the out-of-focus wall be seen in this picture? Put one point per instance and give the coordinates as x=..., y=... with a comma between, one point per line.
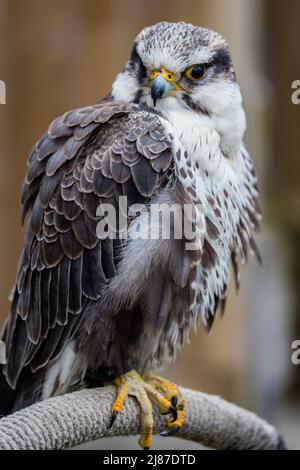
x=283, y=68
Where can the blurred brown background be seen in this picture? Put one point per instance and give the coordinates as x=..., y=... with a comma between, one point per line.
x=58, y=55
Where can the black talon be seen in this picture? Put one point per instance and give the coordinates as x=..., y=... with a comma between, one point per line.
x=174, y=401
x=169, y=433
x=113, y=418
x=173, y=412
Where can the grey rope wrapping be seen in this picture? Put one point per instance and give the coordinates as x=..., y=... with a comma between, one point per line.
x=78, y=417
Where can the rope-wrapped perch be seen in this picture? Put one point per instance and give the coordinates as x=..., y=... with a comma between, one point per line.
x=83, y=416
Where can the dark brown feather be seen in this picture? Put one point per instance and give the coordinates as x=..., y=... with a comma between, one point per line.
x=34, y=321
x=64, y=266
x=144, y=177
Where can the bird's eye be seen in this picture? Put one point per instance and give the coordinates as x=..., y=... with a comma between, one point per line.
x=195, y=72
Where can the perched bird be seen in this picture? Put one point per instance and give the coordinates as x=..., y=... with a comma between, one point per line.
x=88, y=309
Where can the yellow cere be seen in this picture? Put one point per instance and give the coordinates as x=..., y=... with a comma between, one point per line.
x=170, y=77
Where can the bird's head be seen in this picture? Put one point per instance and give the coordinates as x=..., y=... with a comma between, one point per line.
x=178, y=65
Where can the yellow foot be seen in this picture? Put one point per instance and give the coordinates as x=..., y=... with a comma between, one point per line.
x=173, y=395
x=147, y=389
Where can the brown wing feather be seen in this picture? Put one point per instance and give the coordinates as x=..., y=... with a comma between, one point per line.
x=87, y=157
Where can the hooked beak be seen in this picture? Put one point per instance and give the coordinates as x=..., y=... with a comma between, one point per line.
x=163, y=83
x=160, y=88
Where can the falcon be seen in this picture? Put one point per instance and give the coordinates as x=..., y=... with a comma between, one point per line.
x=88, y=309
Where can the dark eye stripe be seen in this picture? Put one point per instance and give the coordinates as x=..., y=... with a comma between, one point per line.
x=135, y=63
x=222, y=59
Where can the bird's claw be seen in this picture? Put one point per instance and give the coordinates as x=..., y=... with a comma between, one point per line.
x=113, y=418
x=172, y=410
x=149, y=389
x=174, y=401
x=178, y=418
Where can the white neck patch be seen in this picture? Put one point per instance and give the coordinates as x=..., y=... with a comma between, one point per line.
x=125, y=87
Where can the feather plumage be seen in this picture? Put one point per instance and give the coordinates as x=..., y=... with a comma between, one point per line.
x=130, y=304
x=69, y=264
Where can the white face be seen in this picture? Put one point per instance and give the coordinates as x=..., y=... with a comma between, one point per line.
x=178, y=66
